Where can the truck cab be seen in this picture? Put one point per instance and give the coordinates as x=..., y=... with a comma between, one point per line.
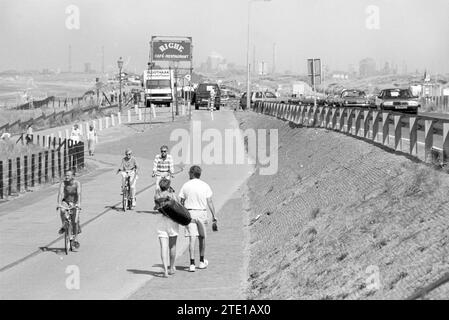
x=159, y=86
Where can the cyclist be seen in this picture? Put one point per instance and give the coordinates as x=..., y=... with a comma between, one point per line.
x=69, y=195
x=163, y=166
x=128, y=168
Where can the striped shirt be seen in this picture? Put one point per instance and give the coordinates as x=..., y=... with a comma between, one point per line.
x=161, y=165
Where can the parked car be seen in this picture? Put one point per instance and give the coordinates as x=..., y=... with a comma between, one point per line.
x=332, y=100
x=201, y=96
x=354, y=98
x=401, y=100
x=265, y=96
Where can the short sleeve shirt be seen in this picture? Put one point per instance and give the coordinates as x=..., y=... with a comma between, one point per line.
x=128, y=165
x=195, y=192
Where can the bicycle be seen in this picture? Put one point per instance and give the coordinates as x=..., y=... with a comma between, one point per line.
x=69, y=212
x=127, y=200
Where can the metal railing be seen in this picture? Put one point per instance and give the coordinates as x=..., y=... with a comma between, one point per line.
x=428, y=137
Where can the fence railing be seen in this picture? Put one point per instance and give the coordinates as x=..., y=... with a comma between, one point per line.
x=45, y=166
x=423, y=137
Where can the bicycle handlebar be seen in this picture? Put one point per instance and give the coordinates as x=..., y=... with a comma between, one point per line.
x=68, y=208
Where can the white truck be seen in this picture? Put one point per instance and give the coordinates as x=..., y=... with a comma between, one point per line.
x=159, y=85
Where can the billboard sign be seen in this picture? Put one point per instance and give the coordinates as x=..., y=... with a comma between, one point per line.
x=171, y=50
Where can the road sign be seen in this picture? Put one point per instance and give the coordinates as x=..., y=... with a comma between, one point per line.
x=314, y=71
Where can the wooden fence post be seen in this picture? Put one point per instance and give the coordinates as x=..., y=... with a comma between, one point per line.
x=33, y=167
x=9, y=177
x=59, y=158
x=46, y=165
x=53, y=165
x=18, y=180
x=39, y=168
x=1, y=180
x=25, y=172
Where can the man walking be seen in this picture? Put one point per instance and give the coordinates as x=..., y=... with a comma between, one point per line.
x=163, y=166
x=196, y=196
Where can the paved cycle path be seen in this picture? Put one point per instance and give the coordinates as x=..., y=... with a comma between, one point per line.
x=119, y=251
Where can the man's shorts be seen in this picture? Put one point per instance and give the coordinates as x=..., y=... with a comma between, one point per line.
x=192, y=228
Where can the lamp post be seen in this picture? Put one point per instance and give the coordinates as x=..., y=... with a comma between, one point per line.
x=248, y=74
x=120, y=66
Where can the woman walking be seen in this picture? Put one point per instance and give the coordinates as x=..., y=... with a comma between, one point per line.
x=167, y=229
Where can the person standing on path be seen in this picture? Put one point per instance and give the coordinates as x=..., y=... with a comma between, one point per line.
x=91, y=139
x=196, y=196
x=75, y=134
x=163, y=166
x=167, y=229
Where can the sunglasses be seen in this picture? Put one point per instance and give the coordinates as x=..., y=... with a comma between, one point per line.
x=128, y=154
x=163, y=151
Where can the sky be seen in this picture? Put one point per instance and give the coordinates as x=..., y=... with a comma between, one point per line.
x=36, y=34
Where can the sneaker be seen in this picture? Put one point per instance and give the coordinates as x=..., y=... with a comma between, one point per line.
x=192, y=268
x=203, y=265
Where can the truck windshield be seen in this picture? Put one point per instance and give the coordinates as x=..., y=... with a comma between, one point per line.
x=158, y=84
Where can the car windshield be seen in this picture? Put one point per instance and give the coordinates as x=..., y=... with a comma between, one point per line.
x=398, y=94
x=270, y=95
x=354, y=94
x=208, y=87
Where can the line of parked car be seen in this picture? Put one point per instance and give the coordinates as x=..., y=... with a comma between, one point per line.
x=395, y=99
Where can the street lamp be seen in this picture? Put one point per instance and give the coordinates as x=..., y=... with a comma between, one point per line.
x=248, y=74
x=120, y=66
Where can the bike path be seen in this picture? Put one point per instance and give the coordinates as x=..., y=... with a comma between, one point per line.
x=119, y=251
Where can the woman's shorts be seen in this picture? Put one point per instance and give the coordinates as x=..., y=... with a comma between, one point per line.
x=167, y=228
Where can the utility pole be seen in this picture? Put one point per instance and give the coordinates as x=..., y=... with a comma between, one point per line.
x=273, y=70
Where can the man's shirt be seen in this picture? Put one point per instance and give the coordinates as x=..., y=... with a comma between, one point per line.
x=163, y=165
x=195, y=192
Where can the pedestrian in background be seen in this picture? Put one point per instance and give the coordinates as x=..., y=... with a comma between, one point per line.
x=75, y=134
x=91, y=139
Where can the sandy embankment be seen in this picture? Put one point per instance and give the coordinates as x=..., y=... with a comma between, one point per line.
x=344, y=219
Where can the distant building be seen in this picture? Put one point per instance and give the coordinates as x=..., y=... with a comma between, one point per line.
x=367, y=67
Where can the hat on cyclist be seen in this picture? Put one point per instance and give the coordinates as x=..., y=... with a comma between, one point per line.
x=128, y=151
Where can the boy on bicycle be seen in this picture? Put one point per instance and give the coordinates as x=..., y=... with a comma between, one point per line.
x=128, y=168
x=69, y=195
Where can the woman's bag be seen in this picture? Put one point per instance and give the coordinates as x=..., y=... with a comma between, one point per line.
x=174, y=210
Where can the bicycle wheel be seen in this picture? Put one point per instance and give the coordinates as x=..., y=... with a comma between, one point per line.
x=125, y=199
x=66, y=238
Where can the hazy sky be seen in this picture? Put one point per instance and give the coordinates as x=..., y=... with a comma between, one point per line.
x=341, y=32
